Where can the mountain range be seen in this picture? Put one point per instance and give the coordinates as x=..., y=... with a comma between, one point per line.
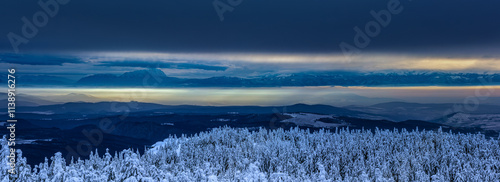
x=157, y=78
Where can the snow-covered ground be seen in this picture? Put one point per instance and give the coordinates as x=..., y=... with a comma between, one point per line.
x=23, y=141
x=226, y=154
x=308, y=119
x=484, y=121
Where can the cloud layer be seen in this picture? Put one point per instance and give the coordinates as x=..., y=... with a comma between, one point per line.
x=33, y=59
x=158, y=64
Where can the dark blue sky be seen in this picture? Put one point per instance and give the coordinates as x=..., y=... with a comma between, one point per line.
x=283, y=26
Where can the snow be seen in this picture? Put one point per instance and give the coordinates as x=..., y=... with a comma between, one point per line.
x=164, y=113
x=227, y=154
x=484, y=121
x=41, y=112
x=77, y=119
x=308, y=119
x=31, y=141
x=178, y=150
x=221, y=120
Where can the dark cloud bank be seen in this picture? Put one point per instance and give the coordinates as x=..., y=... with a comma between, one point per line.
x=257, y=25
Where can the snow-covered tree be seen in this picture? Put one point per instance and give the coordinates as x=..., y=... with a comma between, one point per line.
x=227, y=154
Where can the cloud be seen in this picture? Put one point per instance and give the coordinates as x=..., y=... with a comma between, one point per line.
x=282, y=63
x=32, y=59
x=160, y=64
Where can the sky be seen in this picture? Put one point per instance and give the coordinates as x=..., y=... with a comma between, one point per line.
x=284, y=26
x=201, y=39
x=188, y=38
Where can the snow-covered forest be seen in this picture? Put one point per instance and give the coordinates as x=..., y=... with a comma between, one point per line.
x=227, y=154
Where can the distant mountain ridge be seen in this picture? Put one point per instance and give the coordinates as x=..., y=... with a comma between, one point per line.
x=117, y=107
x=145, y=78
x=157, y=78
x=26, y=100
